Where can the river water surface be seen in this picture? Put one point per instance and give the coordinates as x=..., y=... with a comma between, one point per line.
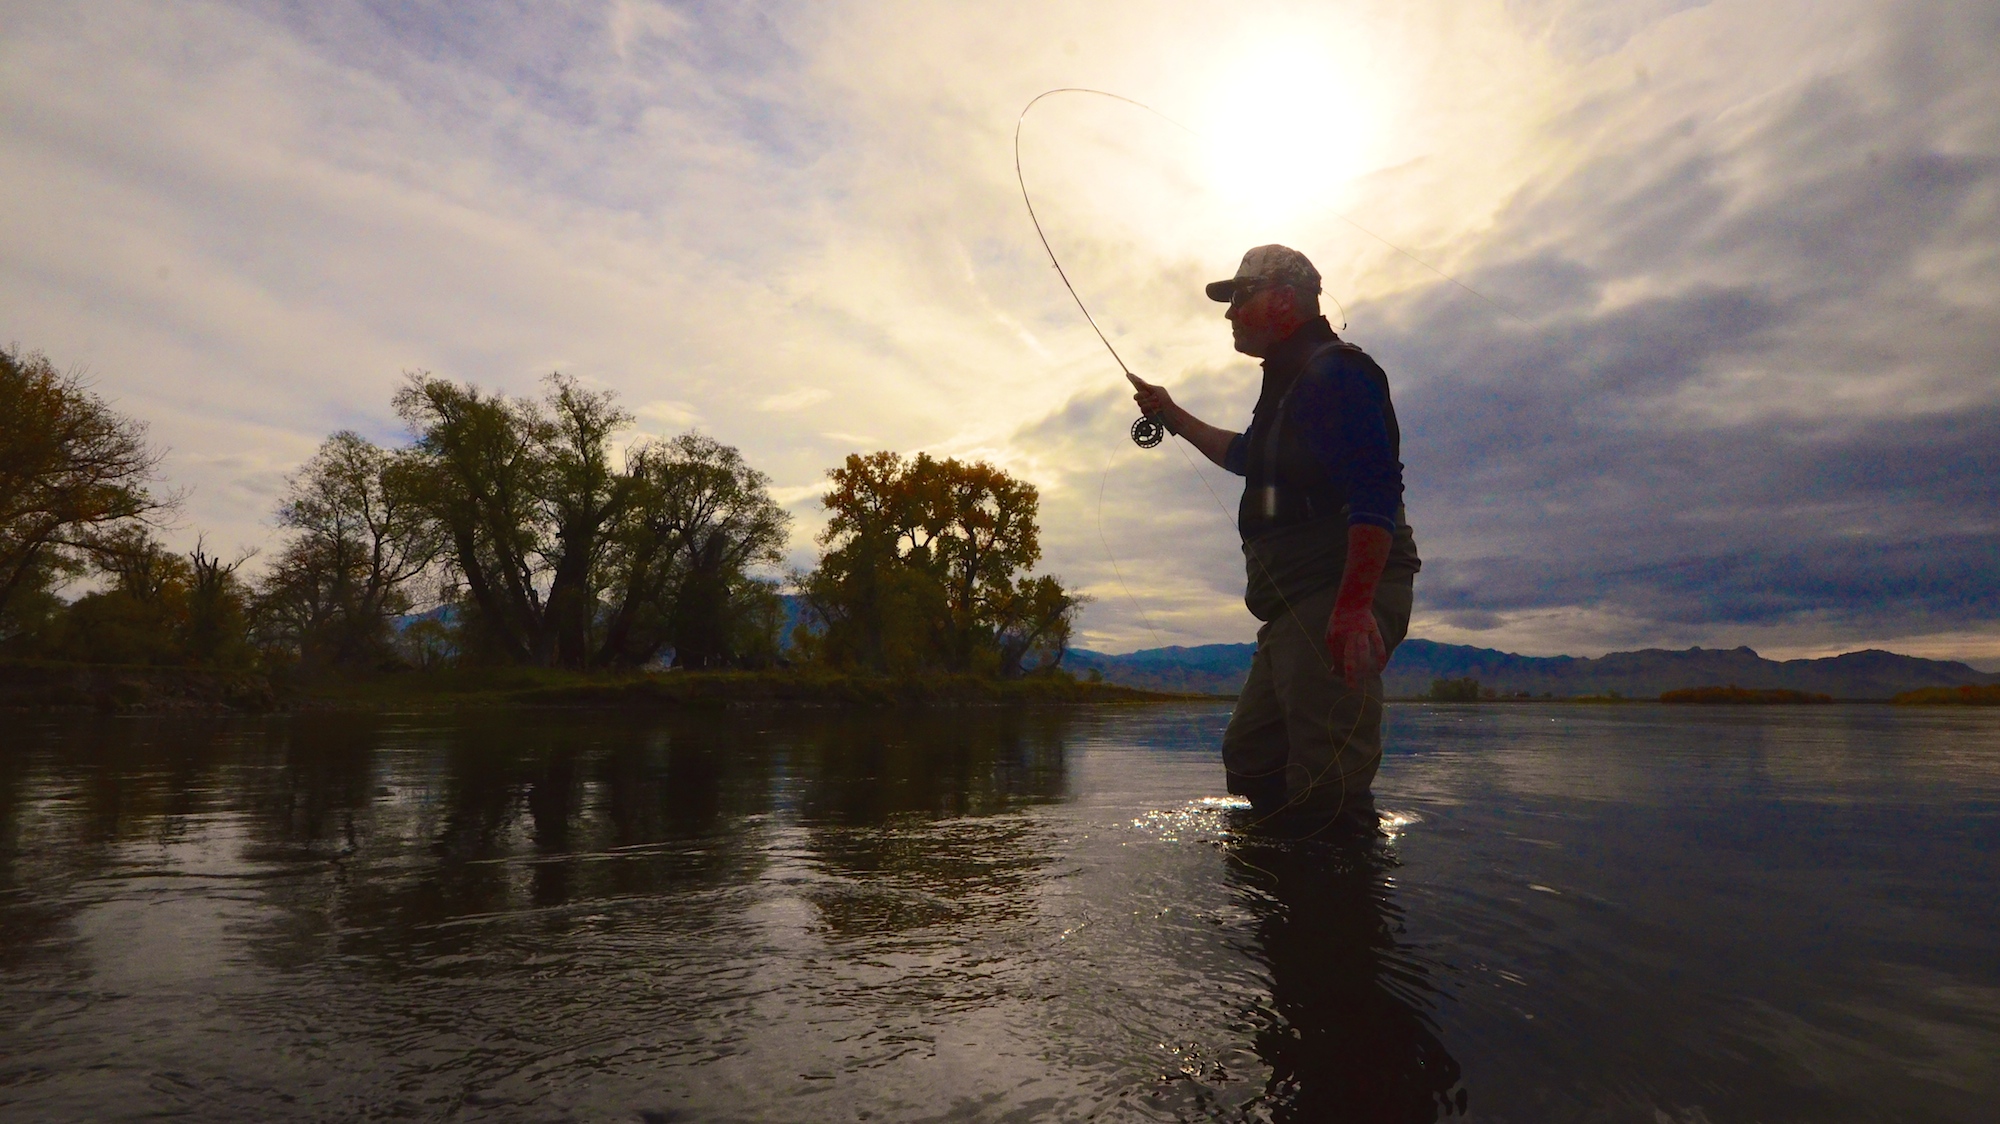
x=1582, y=913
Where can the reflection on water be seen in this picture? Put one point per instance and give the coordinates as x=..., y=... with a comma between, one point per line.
x=1350, y=1032
x=1576, y=914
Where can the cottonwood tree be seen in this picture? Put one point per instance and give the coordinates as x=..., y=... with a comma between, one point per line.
x=874, y=597
x=359, y=541
x=72, y=472
x=984, y=531
x=160, y=607
x=567, y=560
x=679, y=564
x=919, y=568
x=141, y=614
x=522, y=494
x=1035, y=617
x=217, y=627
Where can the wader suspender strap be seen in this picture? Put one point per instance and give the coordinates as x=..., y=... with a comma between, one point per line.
x=1271, y=443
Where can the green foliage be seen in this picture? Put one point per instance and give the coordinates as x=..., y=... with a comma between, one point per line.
x=72, y=473
x=1971, y=694
x=757, y=617
x=1455, y=690
x=520, y=491
x=1735, y=694
x=427, y=644
x=699, y=519
x=564, y=560
x=511, y=510
x=161, y=608
x=358, y=541
x=920, y=570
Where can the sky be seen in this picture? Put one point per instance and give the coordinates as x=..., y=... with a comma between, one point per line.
x=1691, y=311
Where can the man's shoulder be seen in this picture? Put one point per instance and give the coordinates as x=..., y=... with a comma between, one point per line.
x=1336, y=359
x=1341, y=351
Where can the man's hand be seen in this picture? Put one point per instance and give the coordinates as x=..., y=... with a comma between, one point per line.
x=1352, y=638
x=1355, y=644
x=1155, y=402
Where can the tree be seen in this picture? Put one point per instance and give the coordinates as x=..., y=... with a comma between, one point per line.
x=160, y=607
x=585, y=499
x=72, y=471
x=873, y=595
x=216, y=631
x=522, y=494
x=426, y=644
x=919, y=569
x=360, y=539
x=1037, y=618
x=1455, y=690
x=567, y=560
x=699, y=519
x=141, y=617
x=985, y=530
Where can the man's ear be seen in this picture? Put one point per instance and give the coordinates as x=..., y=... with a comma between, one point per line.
x=1285, y=302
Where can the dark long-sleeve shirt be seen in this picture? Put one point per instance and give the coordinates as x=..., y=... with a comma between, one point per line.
x=1339, y=402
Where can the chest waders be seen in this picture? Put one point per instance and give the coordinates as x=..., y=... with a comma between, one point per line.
x=1301, y=741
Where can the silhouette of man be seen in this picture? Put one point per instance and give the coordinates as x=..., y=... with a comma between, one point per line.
x=1329, y=558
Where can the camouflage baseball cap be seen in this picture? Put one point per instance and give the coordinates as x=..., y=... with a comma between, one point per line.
x=1273, y=264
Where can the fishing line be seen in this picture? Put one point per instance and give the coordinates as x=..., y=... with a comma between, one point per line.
x=1148, y=432
x=1106, y=543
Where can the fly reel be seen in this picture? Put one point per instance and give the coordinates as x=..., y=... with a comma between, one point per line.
x=1148, y=431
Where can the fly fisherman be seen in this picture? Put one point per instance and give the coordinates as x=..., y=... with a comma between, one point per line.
x=1329, y=557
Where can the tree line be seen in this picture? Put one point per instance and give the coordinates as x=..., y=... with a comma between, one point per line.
x=510, y=531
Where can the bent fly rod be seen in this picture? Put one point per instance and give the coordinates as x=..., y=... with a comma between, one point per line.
x=1148, y=431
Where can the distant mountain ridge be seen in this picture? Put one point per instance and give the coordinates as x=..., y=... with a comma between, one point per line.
x=1872, y=674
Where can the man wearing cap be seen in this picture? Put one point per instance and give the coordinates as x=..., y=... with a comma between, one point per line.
x=1329, y=557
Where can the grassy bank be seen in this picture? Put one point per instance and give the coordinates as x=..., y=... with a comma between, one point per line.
x=47, y=686
x=540, y=687
x=1763, y=696
x=1986, y=695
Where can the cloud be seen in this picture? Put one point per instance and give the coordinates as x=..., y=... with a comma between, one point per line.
x=669, y=413
x=797, y=399
x=1748, y=256
x=1744, y=397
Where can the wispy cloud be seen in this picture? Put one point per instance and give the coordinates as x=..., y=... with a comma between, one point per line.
x=1751, y=248
x=792, y=400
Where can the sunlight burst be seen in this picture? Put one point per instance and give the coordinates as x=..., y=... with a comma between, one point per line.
x=1290, y=126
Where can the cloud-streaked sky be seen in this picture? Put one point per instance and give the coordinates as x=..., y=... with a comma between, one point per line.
x=1733, y=375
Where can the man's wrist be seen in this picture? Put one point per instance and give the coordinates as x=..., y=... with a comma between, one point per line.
x=1347, y=619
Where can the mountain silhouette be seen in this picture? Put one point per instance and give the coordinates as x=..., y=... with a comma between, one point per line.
x=1871, y=674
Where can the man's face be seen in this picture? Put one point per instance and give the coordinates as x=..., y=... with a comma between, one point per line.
x=1260, y=320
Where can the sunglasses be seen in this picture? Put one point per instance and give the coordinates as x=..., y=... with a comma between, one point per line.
x=1241, y=294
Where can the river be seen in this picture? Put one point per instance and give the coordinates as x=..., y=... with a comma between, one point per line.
x=1581, y=913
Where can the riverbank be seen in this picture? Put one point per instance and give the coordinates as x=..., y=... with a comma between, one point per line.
x=48, y=685
x=1969, y=695
x=1741, y=696
x=541, y=687
x=33, y=686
